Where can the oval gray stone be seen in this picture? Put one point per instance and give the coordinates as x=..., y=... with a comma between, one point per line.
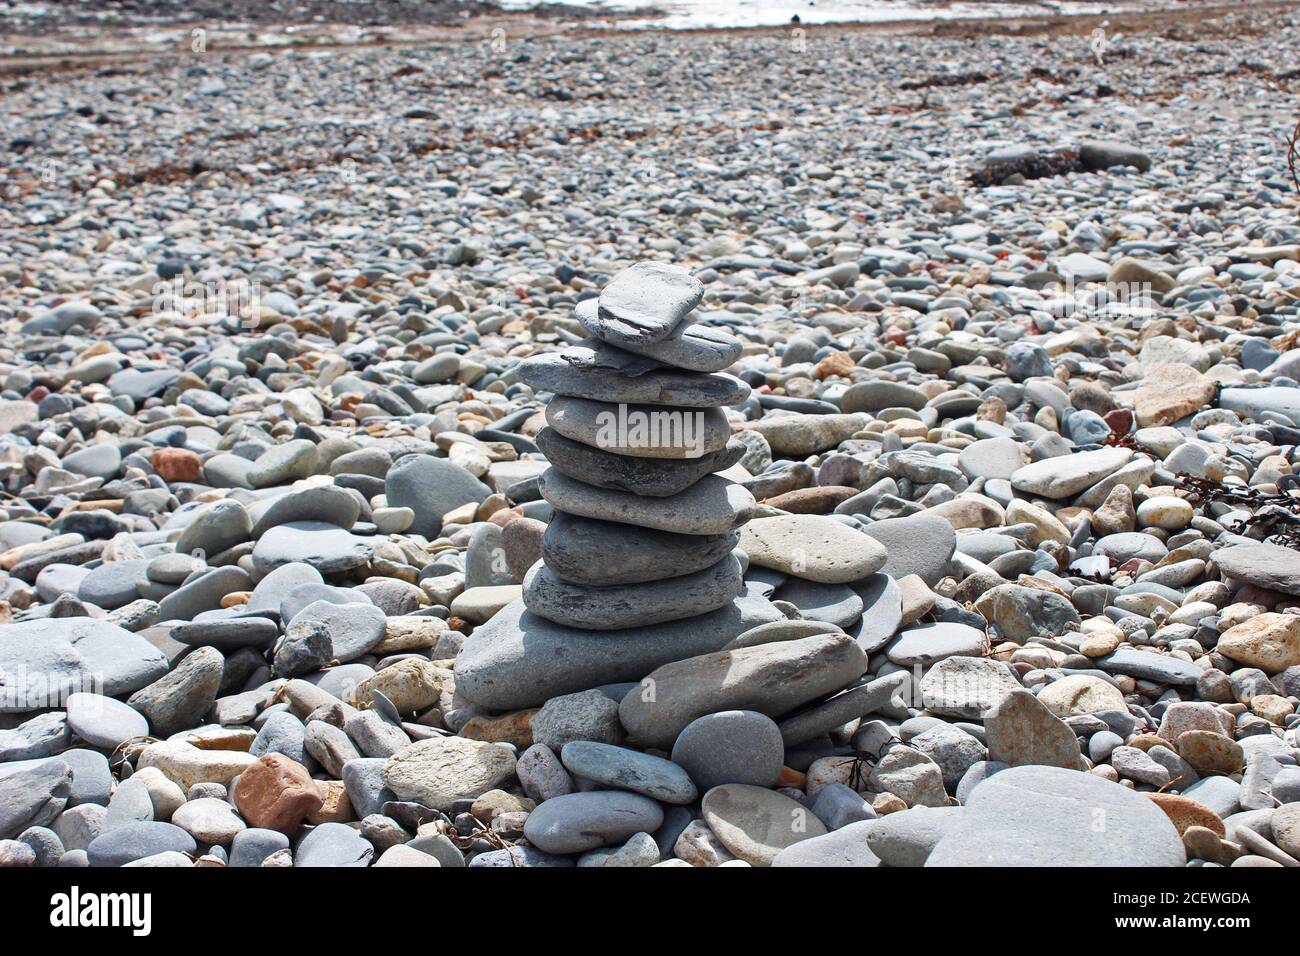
x=578, y=822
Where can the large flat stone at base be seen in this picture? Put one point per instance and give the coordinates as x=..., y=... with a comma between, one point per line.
x=1046, y=816
x=520, y=660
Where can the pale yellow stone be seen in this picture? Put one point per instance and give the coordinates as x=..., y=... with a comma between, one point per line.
x=1046, y=525
x=970, y=511
x=1080, y=694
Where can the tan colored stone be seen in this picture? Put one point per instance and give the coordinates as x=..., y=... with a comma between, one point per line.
x=405, y=857
x=917, y=599
x=1100, y=637
x=1186, y=812
x=512, y=728
x=1272, y=708
x=1209, y=752
x=813, y=547
x=216, y=737
x=1081, y=694
x=1270, y=642
x=496, y=802
x=1170, y=392
x=1203, y=843
x=410, y=634
x=336, y=808
x=970, y=511
x=1046, y=525
x=1145, y=742
x=884, y=803
x=412, y=685
x=1021, y=730
x=1116, y=514
x=755, y=823
x=185, y=765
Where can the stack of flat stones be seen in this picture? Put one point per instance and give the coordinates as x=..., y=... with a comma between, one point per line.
x=645, y=529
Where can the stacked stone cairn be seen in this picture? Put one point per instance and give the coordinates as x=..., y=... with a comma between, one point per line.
x=644, y=530
x=649, y=558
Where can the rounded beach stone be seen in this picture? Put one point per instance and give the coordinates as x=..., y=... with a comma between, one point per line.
x=209, y=820
x=653, y=477
x=104, y=722
x=134, y=841
x=441, y=770
x=730, y=746
x=627, y=769
x=640, y=431
x=1047, y=816
x=276, y=793
x=578, y=822
x=812, y=547
x=755, y=824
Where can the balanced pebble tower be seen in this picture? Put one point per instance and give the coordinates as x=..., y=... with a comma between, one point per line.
x=638, y=563
x=644, y=530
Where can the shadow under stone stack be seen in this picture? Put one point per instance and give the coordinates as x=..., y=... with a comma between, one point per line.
x=644, y=531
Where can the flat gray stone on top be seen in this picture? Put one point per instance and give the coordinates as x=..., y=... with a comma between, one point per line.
x=324, y=503
x=1264, y=565
x=1255, y=402
x=690, y=345
x=104, y=722
x=644, y=303
x=928, y=643
x=1067, y=475
x=627, y=769
x=1146, y=665
x=597, y=371
x=353, y=628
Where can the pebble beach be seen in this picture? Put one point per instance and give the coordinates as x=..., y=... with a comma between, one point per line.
x=532, y=444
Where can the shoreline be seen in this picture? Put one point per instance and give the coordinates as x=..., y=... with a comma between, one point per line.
x=221, y=40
